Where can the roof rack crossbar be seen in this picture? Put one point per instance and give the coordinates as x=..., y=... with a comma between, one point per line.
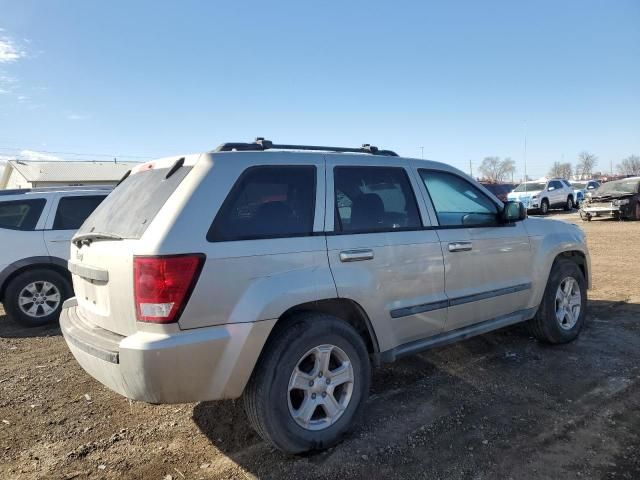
x=261, y=144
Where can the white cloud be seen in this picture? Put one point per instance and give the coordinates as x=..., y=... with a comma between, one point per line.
x=78, y=116
x=9, y=51
x=7, y=84
x=34, y=155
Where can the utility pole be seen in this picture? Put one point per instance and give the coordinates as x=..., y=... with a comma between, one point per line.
x=422, y=153
x=470, y=169
x=525, y=155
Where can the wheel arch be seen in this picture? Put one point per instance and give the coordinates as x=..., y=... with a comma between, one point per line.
x=579, y=258
x=56, y=264
x=345, y=309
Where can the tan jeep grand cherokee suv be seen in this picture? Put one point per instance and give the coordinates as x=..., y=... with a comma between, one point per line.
x=281, y=273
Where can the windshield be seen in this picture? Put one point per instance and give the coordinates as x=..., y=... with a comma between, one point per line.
x=579, y=185
x=619, y=186
x=530, y=187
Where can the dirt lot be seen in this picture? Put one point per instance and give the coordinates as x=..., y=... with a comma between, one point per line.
x=496, y=406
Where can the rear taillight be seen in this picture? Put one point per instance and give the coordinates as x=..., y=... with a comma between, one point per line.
x=162, y=285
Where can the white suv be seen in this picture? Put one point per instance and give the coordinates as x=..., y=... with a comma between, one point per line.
x=543, y=195
x=36, y=227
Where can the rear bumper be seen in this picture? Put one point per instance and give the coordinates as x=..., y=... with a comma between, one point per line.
x=193, y=365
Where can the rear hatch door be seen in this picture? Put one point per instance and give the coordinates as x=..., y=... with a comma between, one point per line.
x=102, y=250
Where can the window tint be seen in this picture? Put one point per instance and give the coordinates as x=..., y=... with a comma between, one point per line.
x=555, y=184
x=457, y=202
x=374, y=199
x=129, y=210
x=73, y=211
x=21, y=214
x=268, y=202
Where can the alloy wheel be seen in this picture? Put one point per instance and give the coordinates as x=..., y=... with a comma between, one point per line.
x=568, y=303
x=39, y=299
x=320, y=387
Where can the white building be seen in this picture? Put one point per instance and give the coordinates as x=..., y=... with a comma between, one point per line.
x=34, y=174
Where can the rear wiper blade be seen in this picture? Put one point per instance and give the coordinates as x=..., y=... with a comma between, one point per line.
x=87, y=238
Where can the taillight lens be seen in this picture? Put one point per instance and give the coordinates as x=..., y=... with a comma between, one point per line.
x=162, y=285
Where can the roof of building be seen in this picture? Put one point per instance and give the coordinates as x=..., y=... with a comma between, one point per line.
x=61, y=171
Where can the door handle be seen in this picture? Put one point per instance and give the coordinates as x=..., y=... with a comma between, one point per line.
x=356, y=255
x=460, y=246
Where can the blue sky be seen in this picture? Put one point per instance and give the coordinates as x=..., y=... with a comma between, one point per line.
x=462, y=79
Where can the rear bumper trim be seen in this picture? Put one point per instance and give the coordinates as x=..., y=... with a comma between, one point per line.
x=93, y=340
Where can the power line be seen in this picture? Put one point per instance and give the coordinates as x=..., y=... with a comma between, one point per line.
x=109, y=155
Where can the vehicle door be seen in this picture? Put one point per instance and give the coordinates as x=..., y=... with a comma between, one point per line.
x=487, y=264
x=556, y=193
x=68, y=213
x=380, y=253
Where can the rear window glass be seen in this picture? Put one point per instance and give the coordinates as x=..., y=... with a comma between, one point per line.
x=73, y=211
x=130, y=208
x=21, y=214
x=268, y=202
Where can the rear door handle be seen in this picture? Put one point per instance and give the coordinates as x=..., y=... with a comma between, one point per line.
x=356, y=255
x=460, y=246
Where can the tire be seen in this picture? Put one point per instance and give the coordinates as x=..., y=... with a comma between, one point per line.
x=269, y=402
x=569, y=205
x=51, y=289
x=544, y=207
x=584, y=216
x=547, y=325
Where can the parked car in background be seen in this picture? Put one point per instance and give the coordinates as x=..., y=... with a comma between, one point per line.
x=618, y=199
x=500, y=190
x=281, y=275
x=36, y=226
x=544, y=195
x=581, y=188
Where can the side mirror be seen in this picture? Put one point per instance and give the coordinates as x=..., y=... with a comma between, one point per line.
x=591, y=187
x=513, y=212
x=551, y=189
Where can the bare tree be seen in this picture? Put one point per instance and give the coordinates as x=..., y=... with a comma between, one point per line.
x=495, y=170
x=630, y=165
x=586, y=162
x=561, y=170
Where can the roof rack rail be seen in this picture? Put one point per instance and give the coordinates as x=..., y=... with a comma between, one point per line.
x=261, y=144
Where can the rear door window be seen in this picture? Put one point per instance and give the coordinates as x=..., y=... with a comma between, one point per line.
x=374, y=199
x=267, y=202
x=130, y=208
x=21, y=214
x=73, y=211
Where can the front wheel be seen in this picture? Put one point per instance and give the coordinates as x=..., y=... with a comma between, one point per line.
x=310, y=385
x=544, y=206
x=34, y=297
x=561, y=313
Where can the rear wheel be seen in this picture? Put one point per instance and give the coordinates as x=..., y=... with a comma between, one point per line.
x=35, y=297
x=310, y=384
x=569, y=205
x=562, y=311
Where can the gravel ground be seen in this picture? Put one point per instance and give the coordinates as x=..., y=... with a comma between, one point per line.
x=497, y=406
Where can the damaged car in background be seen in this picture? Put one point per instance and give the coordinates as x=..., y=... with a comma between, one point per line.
x=618, y=199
